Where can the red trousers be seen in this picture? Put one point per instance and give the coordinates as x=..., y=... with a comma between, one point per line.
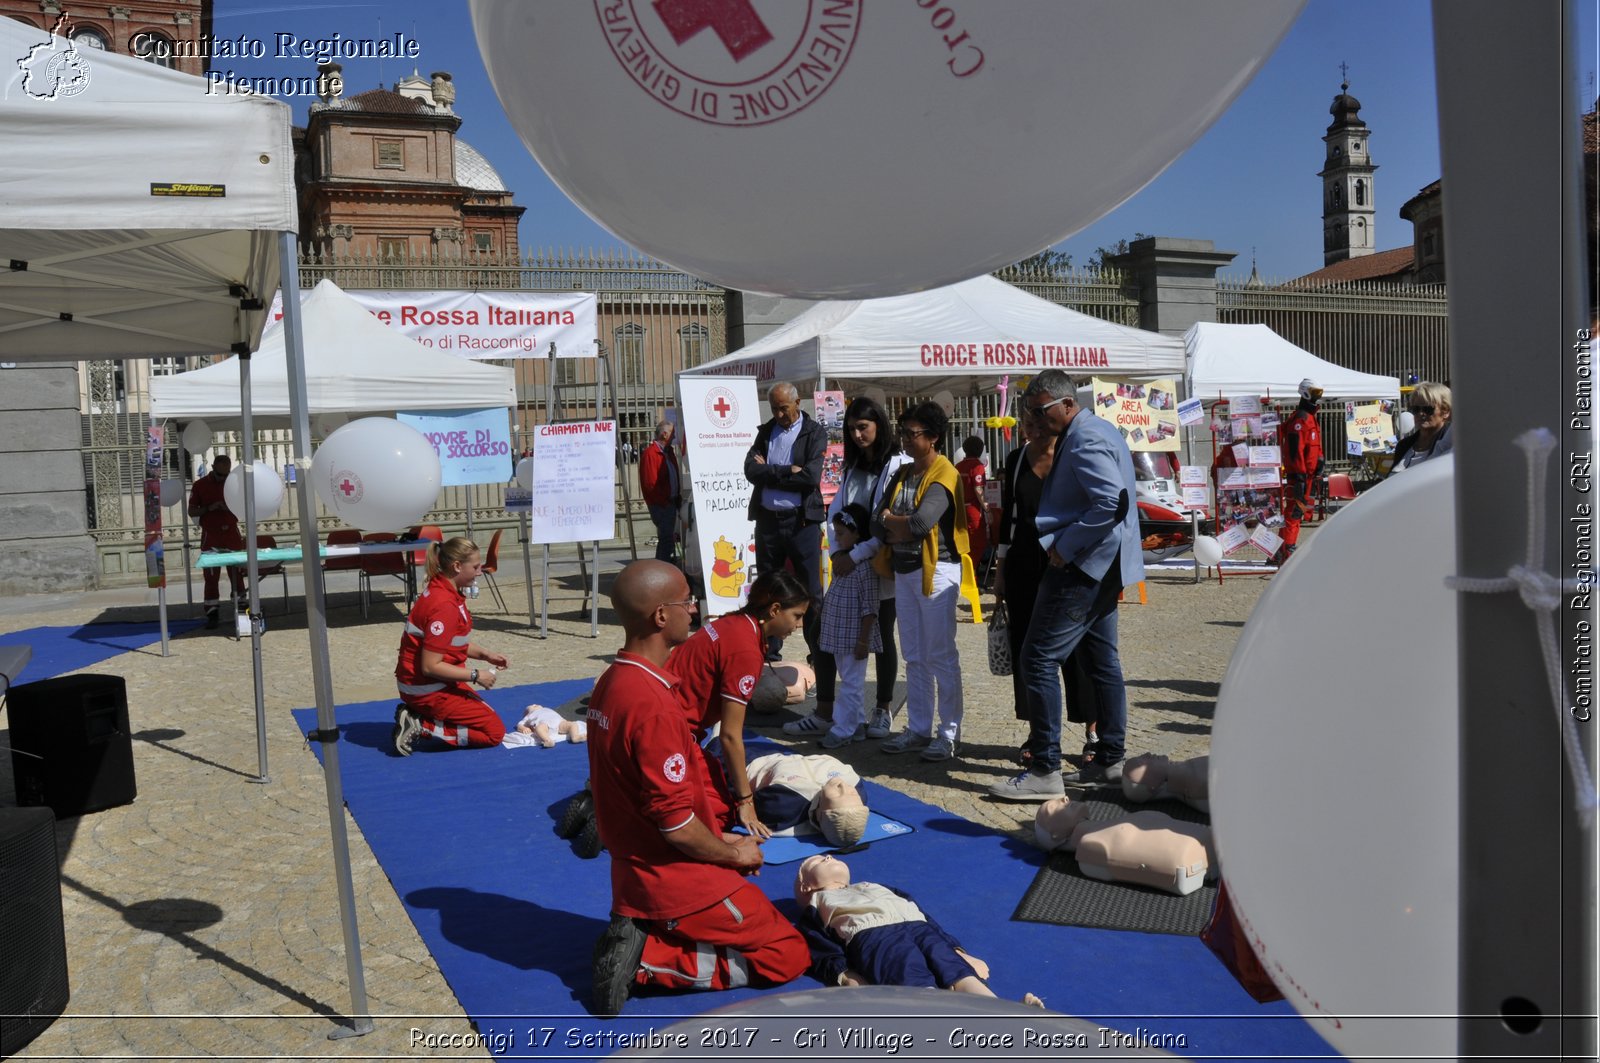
x=457, y=716
x=739, y=940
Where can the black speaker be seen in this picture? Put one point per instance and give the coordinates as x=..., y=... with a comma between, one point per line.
x=70, y=743
x=33, y=939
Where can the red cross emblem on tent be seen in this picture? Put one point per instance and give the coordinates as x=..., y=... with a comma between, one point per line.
x=735, y=23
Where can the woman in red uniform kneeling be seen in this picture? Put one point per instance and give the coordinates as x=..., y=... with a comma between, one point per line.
x=433, y=675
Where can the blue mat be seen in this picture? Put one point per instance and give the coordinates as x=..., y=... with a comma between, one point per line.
x=788, y=848
x=58, y=650
x=511, y=913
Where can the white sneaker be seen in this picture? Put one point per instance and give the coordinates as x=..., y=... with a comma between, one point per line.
x=881, y=724
x=905, y=742
x=939, y=749
x=808, y=725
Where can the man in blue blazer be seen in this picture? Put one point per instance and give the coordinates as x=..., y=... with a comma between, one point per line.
x=1089, y=527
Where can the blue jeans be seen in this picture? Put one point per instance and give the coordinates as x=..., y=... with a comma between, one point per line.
x=1073, y=612
x=665, y=518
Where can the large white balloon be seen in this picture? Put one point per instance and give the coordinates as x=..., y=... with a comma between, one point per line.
x=269, y=490
x=171, y=490
x=196, y=437
x=844, y=149
x=1207, y=551
x=1334, y=802
x=377, y=474
x=524, y=473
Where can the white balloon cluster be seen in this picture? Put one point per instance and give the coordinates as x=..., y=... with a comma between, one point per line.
x=377, y=474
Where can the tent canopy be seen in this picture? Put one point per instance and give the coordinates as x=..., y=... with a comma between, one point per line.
x=1252, y=359
x=354, y=363
x=137, y=234
x=959, y=337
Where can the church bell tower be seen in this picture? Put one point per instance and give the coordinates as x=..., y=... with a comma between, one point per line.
x=1348, y=213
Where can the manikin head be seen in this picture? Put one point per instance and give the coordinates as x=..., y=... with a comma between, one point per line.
x=819, y=873
x=840, y=813
x=1055, y=821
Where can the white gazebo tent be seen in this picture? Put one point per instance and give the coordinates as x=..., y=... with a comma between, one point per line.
x=140, y=214
x=354, y=364
x=1252, y=359
x=956, y=337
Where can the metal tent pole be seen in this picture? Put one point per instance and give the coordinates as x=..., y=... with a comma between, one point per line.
x=1526, y=970
x=327, y=732
x=247, y=471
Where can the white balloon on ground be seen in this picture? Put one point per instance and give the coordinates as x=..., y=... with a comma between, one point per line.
x=171, y=491
x=1207, y=551
x=524, y=473
x=1335, y=802
x=268, y=490
x=847, y=150
x=377, y=474
x=196, y=436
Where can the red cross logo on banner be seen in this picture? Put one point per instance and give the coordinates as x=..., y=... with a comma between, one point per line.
x=721, y=406
x=735, y=23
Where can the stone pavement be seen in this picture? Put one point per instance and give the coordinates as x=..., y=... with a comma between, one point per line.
x=202, y=919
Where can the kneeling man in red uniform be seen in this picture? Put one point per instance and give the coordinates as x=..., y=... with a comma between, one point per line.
x=683, y=913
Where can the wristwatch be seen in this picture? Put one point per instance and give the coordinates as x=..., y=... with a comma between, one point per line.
x=473, y=678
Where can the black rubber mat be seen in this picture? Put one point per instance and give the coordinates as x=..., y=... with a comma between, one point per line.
x=1063, y=895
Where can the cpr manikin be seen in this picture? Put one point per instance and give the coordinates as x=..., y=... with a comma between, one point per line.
x=1146, y=848
x=797, y=794
x=1151, y=776
x=545, y=727
x=863, y=933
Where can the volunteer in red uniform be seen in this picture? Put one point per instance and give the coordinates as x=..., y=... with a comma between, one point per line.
x=718, y=669
x=683, y=913
x=974, y=476
x=660, y=482
x=1301, y=442
x=433, y=673
x=219, y=530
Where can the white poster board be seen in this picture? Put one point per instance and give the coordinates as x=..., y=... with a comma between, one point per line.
x=486, y=324
x=720, y=418
x=574, y=483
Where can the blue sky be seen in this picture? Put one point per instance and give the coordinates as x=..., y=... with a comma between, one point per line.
x=1249, y=183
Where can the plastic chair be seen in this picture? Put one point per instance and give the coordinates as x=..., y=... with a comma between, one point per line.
x=491, y=563
x=272, y=568
x=371, y=565
x=1341, y=490
x=431, y=532
x=341, y=537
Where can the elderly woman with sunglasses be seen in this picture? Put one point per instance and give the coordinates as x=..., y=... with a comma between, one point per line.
x=1430, y=405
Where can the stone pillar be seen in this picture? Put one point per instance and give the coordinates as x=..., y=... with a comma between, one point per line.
x=1177, y=281
x=43, y=507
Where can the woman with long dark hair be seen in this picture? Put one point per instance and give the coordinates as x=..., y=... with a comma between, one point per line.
x=871, y=458
x=718, y=669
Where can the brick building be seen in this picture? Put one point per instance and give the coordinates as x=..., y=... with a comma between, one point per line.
x=165, y=32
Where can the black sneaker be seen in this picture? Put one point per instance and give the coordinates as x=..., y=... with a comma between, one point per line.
x=406, y=729
x=579, y=811
x=589, y=844
x=616, y=962
x=211, y=619
x=1096, y=774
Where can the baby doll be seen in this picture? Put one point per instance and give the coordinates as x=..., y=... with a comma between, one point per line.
x=1146, y=847
x=797, y=794
x=1152, y=776
x=866, y=934
x=546, y=727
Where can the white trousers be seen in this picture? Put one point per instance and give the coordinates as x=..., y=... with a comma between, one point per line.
x=928, y=644
x=849, y=694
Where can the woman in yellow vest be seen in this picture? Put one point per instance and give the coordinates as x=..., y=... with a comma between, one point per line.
x=923, y=519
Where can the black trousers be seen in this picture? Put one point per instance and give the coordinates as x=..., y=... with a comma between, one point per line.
x=782, y=538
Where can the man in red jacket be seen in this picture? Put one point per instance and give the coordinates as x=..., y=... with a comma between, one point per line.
x=662, y=487
x=1301, y=442
x=219, y=530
